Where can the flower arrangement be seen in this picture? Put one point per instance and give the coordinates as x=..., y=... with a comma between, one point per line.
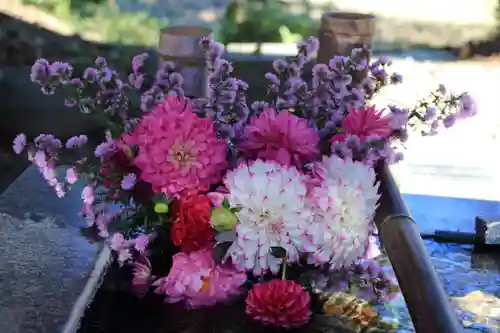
x=210, y=200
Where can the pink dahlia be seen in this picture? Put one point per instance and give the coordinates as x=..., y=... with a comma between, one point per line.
x=197, y=280
x=282, y=137
x=279, y=302
x=364, y=122
x=178, y=151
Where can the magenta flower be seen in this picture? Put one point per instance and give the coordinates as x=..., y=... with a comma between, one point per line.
x=281, y=137
x=198, y=281
x=364, y=122
x=178, y=151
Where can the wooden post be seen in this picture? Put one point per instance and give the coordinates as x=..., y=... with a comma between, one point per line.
x=181, y=45
x=341, y=32
x=429, y=308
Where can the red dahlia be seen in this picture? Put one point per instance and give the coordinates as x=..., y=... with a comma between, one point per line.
x=191, y=229
x=279, y=302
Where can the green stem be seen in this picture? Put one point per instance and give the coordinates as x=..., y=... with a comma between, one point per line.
x=283, y=270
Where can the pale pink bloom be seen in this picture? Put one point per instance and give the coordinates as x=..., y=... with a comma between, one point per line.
x=118, y=242
x=372, y=250
x=218, y=196
x=19, y=143
x=343, y=209
x=178, y=151
x=273, y=212
x=364, y=122
x=88, y=195
x=282, y=137
x=198, y=281
x=141, y=275
x=71, y=176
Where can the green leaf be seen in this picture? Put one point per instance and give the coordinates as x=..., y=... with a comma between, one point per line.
x=226, y=236
x=220, y=250
x=278, y=252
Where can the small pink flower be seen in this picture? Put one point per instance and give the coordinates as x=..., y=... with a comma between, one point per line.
x=141, y=272
x=19, y=143
x=282, y=137
x=88, y=195
x=141, y=243
x=364, y=122
x=198, y=281
x=118, y=242
x=218, y=196
x=71, y=176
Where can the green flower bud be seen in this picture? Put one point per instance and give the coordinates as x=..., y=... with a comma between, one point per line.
x=161, y=208
x=223, y=219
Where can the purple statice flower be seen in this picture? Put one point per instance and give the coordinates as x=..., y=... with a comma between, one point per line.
x=280, y=66
x=61, y=69
x=100, y=62
x=104, y=148
x=47, y=142
x=128, y=181
x=449, y=121
x=40, y=72
x=226, y=96
x=138, y=62
x=467, y=106
x=91, y=75
x=77, y=141
x=396, y=78
x=442, y=89
x=430, y=113
x=19, y=143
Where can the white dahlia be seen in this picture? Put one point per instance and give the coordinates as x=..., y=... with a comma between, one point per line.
x=344, y=206
x=273, y=213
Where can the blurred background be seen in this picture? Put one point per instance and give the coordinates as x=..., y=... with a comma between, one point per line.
x=443, y=24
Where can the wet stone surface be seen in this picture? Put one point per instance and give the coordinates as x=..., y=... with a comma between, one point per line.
x=44, y=261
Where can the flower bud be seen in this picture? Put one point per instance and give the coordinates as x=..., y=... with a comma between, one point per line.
x=161, y=208
x=223, y=219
